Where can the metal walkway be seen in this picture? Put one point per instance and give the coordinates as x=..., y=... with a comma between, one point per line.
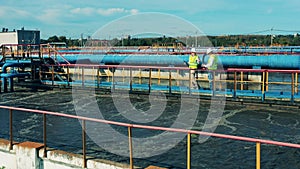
x=232, y=83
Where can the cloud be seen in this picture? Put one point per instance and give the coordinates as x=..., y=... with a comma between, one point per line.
x=111, y=11
x=101, y=11
x=9, y=12
x=84, y=11
x=50, y=15
x=14, y=18
x=134, y=11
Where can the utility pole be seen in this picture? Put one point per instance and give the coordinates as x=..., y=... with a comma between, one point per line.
x=271, y=40
x=186, y=41
x=196, y=40
x=272, y=36
x=81, y=37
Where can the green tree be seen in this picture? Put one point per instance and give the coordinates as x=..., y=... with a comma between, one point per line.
x=53, y=39
x=62, y=39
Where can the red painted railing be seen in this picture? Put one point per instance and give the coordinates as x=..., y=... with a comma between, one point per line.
x=237, y=82
x=132, y=126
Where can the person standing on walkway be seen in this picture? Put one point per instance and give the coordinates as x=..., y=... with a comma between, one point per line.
x=212, y=65
x=194, y=61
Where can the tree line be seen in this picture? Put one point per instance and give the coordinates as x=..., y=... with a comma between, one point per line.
x=227, y=41
x=69, y=42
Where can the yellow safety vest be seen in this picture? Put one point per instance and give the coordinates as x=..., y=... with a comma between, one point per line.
x=193, y=62
x=214, y=66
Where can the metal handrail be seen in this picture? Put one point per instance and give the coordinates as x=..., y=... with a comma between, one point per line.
x=131, y=126
x=264, y=73
x=56, y=52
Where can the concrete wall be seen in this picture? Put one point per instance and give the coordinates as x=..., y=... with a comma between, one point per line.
x=8, y=38
x=20, y=37
x=7, y=158
x=29, y=155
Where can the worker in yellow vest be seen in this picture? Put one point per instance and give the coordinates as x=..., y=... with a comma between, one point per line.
x=193, y=63
x=212, y=64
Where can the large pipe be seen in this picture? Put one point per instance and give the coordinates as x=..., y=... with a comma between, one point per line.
x=266, y=61
x=240, y=61
x=249, y=61
x=15, y=64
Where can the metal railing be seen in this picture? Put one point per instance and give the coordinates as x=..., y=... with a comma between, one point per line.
x=52, y=49
x=265, y=82
x=231, y=81
x=258, y=142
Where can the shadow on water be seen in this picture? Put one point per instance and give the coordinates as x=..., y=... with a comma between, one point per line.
x=273, y=123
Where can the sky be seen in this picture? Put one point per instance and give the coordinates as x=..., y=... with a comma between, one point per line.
x=74, y=19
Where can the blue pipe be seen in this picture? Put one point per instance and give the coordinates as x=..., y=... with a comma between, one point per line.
x=249, y=61
x=269, y=61
x=5, y=75
x=15, y=63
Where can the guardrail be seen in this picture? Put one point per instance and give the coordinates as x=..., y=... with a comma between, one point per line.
x=258, y=142
x=266, y=82
x=230, y=82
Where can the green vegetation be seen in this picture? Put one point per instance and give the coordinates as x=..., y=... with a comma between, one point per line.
x=145, y=41
x=69, y=42
x=255, y=40
x=228, y=40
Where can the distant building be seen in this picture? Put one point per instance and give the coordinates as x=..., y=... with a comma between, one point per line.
x=19, y=37
x=97, y=43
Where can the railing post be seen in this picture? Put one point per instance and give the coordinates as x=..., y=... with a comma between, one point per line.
x=49, y=51
x=263, y=87
x=296, y=83
x=92, y=74
x=82, y=76
x=150, y=81
x=98, y=77
x=170, y=82
x=68, y=75
x=108, y=74
x=123, y=75
x=257, y=155
x=140, y=76
x=10, y=130
x=130, y=146
x=33, y=70
x=45, y=134
x=190, y=81
x=178, y=78
x=3, y=52
x=158, y=80
x=52, y=73
x=130, y=83
x=267, y=81
x=113, y=79
x=293, y=87
x=188, y=162
x=40, y=72
x=234, y=85
x=242, y=80
x=84, y=144
x=213, y=82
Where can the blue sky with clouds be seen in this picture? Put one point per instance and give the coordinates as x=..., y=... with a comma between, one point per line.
x=213, y=17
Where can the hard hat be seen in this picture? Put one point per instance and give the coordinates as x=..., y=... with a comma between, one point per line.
x=209, y=50
x=193, y=50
